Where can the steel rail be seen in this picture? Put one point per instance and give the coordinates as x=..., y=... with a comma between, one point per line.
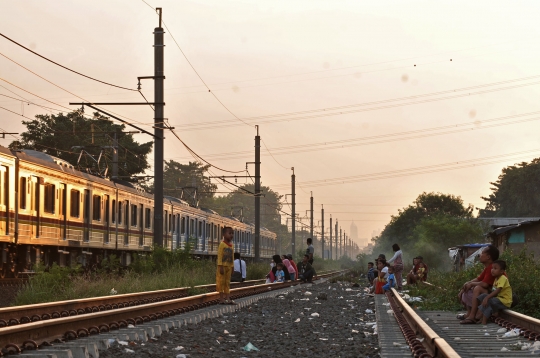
x=529, y=326
x=10, y=316
x=437, y=346
x=72, y=327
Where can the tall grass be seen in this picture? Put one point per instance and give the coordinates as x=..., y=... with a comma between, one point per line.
x=522, y=270
x=156, y=270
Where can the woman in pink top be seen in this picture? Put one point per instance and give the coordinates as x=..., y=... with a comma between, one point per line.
x=290, y=268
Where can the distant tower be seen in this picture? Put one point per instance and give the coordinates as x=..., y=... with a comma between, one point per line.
x=354, y=231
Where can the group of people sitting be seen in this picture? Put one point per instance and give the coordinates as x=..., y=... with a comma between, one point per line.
x=488, y=293
x=283, y=268
x=482, y=296
x=383, y=276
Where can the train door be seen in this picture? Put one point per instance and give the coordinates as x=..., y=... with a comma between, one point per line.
x=4, y=200
x=35, y=203
x=63, y=211
x=141, y=225
x=107, y=219
x=86, y=215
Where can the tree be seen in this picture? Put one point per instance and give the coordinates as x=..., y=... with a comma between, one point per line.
x=241, y=200
x=401, y=227
x=57, y=134
x=516, y=193
x=435, y=234
x=188, y=176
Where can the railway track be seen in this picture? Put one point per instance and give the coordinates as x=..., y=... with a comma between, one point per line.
x=440, y=334
x=36, y=327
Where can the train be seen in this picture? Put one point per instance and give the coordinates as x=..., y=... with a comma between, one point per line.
x=50, y=212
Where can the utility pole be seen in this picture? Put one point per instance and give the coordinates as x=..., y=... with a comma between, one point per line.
x=331, y=256
x=322, y=230
x=337, y=248
x=340, y=242
x=293, y=209
x=159, y=78
x=311, y=217
x=257, y=195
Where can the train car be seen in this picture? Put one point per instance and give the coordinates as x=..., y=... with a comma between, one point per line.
x=51, y=212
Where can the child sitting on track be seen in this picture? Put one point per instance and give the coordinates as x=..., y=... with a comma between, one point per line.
x=391, y=280
x=280, y=275
x=380, y=281
x=500, y=297
x=420, y=271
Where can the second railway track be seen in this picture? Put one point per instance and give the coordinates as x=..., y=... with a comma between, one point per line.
x=32, y=335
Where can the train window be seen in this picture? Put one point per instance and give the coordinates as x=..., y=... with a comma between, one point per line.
x=148, y=218
x=50, y=198
x=4, y=185
x=120, y=211
x=96, y=207
x=113, y=211
x=134, y=215
x=126, y=218
x=165, y=221
x=183, y=225
x=22, y=192
x=75, y=203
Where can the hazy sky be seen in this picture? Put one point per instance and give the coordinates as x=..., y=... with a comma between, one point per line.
x=264, y=58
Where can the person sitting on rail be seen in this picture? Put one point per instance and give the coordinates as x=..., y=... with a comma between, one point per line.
x=287, y=265
x=380, y=281
x=305, y=270
x=391, y=280
x=412, y=276
x=280, y=275
x=277, y=260
x=421, y=271
x=500, y=297
x=290, y=258
x=370, y=273
x=468, y=295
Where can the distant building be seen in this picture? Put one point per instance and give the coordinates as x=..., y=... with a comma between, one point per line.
x=354, y=231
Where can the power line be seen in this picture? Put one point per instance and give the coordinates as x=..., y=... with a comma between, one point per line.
x=381, y=104
x=384, y=138
x=62, y=88
x=414, y=171
x=197, y=73
x=64, y=67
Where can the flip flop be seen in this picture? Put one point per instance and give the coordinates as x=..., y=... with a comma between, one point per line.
x=468, y=321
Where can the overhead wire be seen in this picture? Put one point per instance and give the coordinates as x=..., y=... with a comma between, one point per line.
x=196, y=72
x=381, y=104
x=385, y=138
x=415, y=171
x=51, y=111
x=64, y=67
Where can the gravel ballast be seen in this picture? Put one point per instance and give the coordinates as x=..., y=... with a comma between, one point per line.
x=323, y=320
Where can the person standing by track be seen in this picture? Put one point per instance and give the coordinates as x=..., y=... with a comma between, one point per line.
x=397, y=260
x=310, y=251
x=225, y=266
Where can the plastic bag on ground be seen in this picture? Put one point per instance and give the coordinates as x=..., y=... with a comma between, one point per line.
x=250, y=347
x=513, y=333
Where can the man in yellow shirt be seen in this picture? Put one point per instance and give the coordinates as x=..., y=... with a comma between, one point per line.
x=225, y=265
x=501, y=296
